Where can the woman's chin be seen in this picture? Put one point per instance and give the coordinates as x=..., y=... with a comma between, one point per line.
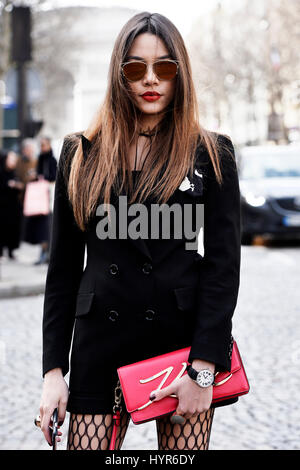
x=151, y=109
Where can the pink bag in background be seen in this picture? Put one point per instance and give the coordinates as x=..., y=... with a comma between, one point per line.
x=37, y=198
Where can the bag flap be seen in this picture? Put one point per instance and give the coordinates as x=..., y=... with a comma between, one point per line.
x=140, y=378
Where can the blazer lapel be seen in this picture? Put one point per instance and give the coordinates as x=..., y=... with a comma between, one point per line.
x=141, y=245
x=138, y=243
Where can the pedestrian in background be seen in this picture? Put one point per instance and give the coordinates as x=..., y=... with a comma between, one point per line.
x=36, y=228
x=26, y=168
x=27, y=171
x=10, y=203
x=46, y=169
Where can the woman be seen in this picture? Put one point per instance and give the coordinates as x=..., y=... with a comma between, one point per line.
x=10, y=203
x=140, y=296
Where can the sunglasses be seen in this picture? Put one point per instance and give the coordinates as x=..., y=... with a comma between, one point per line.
x=163, y=69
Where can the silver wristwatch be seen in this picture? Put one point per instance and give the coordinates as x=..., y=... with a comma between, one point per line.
x=204, y=377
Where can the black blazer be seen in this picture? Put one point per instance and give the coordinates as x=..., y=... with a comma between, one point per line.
x=130, y=302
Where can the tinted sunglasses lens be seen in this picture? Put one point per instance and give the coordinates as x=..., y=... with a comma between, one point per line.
x=134, y=71
x=165, y=70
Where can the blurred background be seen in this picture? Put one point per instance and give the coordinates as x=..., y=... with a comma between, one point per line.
x=245, y=56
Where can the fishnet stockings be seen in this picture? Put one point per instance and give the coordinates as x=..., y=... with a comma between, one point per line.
x=194, y=434
x=93, y=432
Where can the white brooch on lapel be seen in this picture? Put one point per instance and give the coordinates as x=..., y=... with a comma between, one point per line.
x=195, y=186
x=186, y=184
x=198, y=174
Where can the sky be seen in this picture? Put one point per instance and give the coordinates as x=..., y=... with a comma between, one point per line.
x=181, y=12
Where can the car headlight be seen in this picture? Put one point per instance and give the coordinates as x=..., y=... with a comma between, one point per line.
x=254, y=200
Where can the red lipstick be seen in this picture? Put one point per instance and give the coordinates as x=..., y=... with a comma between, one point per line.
x=151, y=96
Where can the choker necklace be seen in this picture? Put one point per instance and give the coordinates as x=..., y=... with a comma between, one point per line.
x=145, y=134
x=148, y=133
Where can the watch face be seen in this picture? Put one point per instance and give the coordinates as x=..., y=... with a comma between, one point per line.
x=205, y=378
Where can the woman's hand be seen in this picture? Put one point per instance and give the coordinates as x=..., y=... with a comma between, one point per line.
x=193, y=399
x=55, y=394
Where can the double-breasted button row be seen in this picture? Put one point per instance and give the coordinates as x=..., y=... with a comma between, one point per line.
x=113, y=315
x=146, y=268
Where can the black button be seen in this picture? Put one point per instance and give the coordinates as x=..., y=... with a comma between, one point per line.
x=147, y=267
x=113, y=315
x=113, y=269
x=150, y=314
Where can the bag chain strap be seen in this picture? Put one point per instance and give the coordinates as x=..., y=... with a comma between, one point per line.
x=117, y=408
x=118, y=395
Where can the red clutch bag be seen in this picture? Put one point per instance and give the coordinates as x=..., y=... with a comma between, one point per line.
x=137, y=380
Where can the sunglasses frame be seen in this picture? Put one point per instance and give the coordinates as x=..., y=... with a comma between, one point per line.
x=147, y=65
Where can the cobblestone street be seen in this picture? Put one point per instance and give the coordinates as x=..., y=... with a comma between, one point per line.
x=266, y=327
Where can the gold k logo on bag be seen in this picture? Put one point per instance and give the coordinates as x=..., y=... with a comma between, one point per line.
x=167, y=373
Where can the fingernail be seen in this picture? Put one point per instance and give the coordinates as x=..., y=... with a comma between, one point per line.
x=152, y=396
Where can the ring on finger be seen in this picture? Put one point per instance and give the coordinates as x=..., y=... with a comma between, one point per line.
x=37, y=421
x=177, y=419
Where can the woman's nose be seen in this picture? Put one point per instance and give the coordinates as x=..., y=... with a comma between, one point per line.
x=150, y=76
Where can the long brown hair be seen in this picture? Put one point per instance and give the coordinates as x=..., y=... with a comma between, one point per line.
x=116, y=126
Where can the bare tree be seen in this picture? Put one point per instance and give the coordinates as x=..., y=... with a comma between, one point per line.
x=244, y=50
x=5, y=29
x=55, y=51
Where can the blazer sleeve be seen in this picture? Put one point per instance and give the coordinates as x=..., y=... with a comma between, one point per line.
x=67, y=248
x=220, y=267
